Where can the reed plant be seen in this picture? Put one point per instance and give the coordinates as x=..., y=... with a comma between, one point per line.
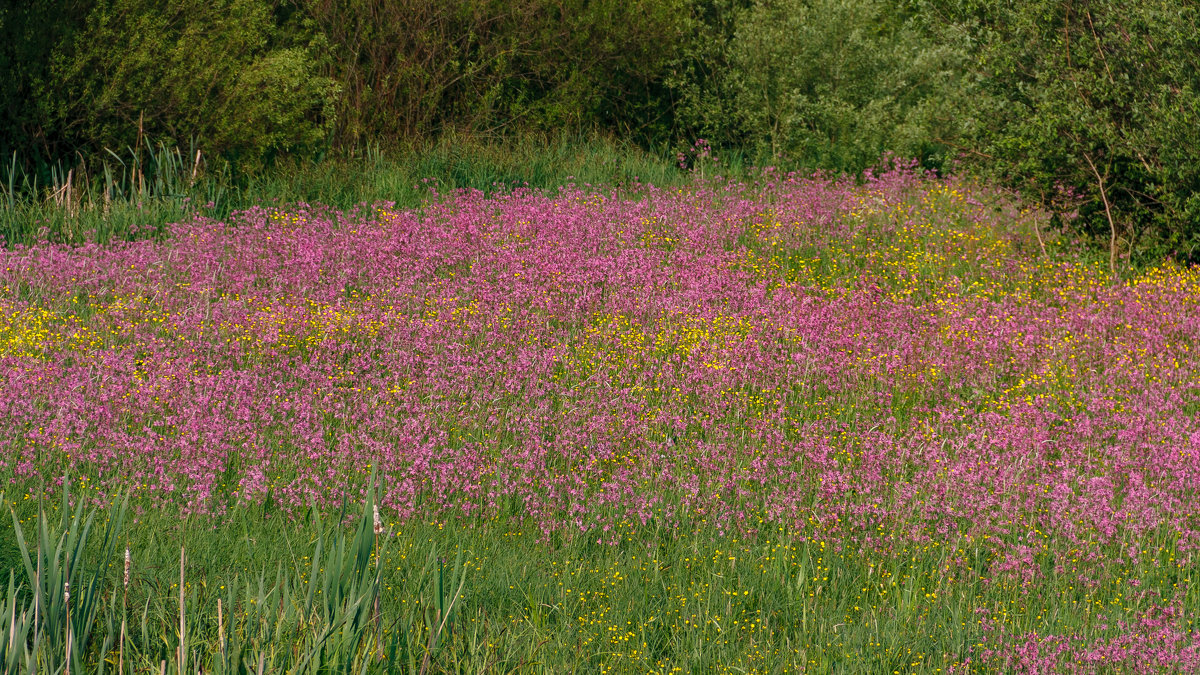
x=65, y=612
x=139, y=192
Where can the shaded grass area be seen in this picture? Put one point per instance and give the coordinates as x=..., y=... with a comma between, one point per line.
x=136, y=193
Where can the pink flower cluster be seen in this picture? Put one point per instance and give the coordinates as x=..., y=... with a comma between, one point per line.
x=889, y=361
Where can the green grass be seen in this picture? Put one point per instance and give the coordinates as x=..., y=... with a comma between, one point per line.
x=644, y=600
x=137, y=193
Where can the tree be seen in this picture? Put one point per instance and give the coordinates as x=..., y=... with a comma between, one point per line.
x=1091, y=98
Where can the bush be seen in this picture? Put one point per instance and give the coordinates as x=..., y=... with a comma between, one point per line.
x=416, y=69
x=822, y=83
x=223, y=71
x=1090, y=106
x=251, y=81
x=29, y=34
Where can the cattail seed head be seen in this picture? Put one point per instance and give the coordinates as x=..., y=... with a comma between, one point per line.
x=378, y=522
x=128, y=565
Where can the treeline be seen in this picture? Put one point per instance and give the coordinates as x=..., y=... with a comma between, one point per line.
x=1089, y=106
x=254, y=80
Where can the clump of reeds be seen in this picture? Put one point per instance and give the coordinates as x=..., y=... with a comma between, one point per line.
x=63, y=618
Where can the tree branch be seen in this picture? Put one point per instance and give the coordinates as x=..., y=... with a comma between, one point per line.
x=1112, y=225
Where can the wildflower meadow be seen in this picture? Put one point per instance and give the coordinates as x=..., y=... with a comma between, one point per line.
x=791, y=424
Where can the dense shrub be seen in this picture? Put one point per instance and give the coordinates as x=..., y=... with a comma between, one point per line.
x=225, y=71
x=415, y=68
x=819, y=83
x=1091, y=105
x=251, y=80
x=28, y=36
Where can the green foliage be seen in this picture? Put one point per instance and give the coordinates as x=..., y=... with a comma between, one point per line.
x=65, y=611
x=29, y=34
x=66, y=582
x=224, y=71
x=125, y=197
x=415, y=69
x=705, y=102
x=599, y=64
x=405, y=68
x=254, y=81
x=300, y=596
x=1090, y=105
x=827, y=84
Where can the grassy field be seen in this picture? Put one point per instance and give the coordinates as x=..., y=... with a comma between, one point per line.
x=138, y=193
x=781, y=425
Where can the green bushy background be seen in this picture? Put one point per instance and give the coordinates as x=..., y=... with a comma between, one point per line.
x=1088, y=107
